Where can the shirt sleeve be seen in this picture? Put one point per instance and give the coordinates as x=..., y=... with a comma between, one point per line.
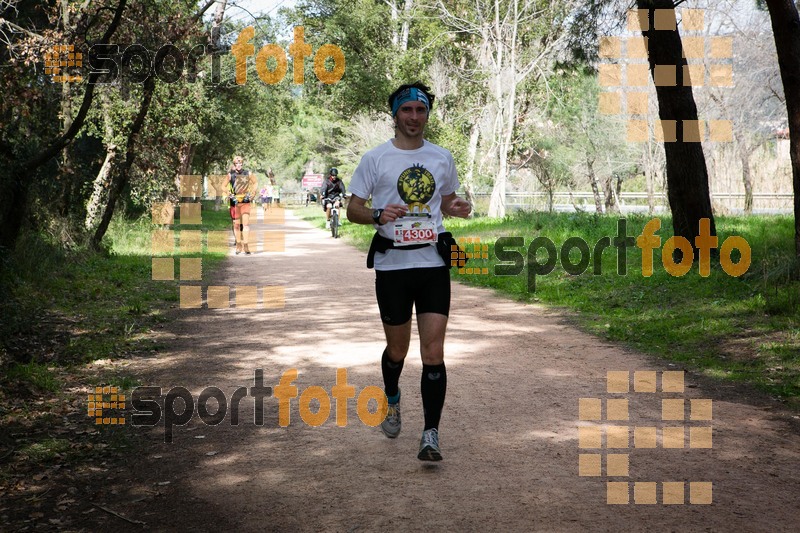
x=363, y=178
x=451, y=183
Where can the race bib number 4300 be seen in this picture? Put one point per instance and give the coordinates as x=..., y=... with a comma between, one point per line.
x=408, y=232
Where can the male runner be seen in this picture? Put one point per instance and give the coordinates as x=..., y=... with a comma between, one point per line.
x=411, y=182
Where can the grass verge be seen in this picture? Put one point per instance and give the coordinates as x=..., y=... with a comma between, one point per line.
x=743, y=329
x=63, y=310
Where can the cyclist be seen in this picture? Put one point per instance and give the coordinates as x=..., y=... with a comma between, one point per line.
x=332, y=187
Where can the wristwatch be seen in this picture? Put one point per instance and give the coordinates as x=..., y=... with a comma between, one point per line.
x=376, y=216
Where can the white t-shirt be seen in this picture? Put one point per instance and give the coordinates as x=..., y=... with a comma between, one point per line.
x=418, y=178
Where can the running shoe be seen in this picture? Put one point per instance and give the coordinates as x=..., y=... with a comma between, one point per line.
x=429, y=446
x=391, y=424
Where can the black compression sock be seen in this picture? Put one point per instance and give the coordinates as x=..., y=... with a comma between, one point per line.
x=434, y=387
x=391, y=374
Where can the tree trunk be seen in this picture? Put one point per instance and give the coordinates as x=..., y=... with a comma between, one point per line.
x=123, y=175
x=505, y=86
x=406, y=24
x=102, y=180
x=185, y=157
x=598, y=200
x=472, y=151
x=786, y=30
x=651, y=201
x=747, y=179
x=100, y=188
x=215, y=45
x=67, y=167
x=611, y=195
x=687, y=175
x=11, y=220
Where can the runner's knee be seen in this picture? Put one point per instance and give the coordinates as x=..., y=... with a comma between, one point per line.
x=432, y=353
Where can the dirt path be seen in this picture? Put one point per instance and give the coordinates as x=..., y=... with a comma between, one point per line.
x=509, y=433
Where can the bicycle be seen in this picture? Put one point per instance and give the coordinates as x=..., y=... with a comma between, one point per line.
x=336, y=203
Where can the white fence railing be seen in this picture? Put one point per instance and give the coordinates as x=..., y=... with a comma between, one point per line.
x=763, y=203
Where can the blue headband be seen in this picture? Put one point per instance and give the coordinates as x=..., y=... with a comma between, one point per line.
x=412, y=94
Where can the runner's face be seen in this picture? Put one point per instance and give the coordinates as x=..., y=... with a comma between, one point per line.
x=411, y=119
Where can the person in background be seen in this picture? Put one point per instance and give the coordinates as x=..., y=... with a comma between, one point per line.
x=243, y=186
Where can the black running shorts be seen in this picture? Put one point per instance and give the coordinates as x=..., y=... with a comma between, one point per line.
x=428, y=289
